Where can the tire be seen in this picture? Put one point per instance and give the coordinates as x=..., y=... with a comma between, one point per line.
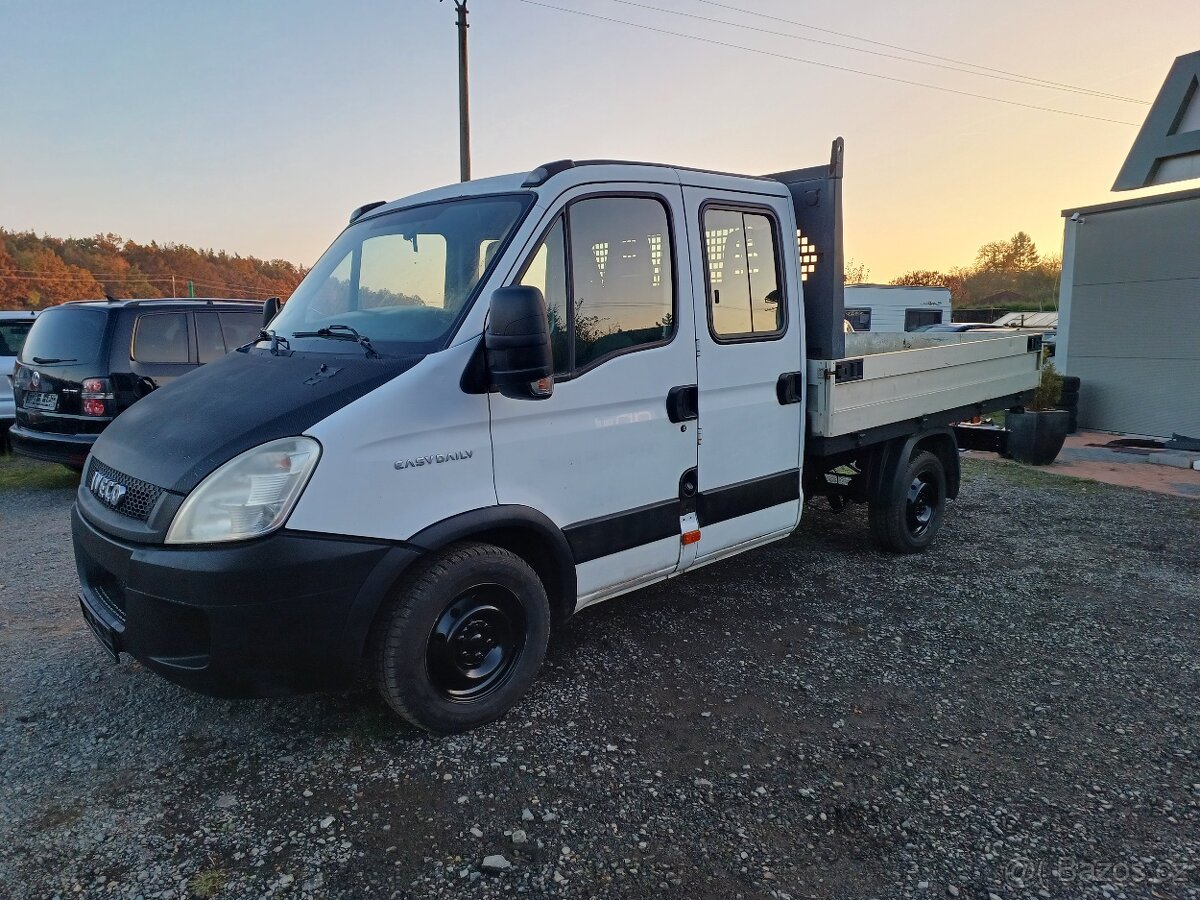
x=1070, y=383
x=909, y=519
x=462, y=638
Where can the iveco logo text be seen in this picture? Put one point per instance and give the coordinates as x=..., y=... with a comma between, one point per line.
x=107, y=490
x=431, y=460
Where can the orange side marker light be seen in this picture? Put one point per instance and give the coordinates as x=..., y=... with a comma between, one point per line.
x=690, y=537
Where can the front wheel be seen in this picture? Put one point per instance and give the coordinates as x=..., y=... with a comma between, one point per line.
x=463, y=638
x=908, y=518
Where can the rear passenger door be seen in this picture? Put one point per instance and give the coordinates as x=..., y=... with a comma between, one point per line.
x=161, y=348
x=749, y=341
x=602, y=457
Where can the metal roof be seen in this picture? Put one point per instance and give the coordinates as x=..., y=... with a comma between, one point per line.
x=1029, y=320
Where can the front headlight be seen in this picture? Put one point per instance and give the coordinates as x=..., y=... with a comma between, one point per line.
x=249, y=496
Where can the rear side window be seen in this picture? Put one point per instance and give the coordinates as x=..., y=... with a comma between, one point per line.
x=161, y=338
x=66, y=334
x=240, y=328
x=209, y=342
x=742, y=255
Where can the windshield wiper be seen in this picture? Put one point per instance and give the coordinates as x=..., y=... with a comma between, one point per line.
x=276, y=343
x=342, y=333
x=50, y=360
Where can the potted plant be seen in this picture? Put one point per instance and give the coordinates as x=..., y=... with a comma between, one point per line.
x=1036, y=433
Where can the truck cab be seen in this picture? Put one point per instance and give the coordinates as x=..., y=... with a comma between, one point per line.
x=485, y=408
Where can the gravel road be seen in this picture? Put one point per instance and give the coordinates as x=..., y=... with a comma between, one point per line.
x=1013, y=714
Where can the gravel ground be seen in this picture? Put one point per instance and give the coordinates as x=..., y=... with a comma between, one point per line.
x=1012, y=715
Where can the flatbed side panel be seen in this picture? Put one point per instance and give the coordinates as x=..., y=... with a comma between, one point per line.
x=918, y=383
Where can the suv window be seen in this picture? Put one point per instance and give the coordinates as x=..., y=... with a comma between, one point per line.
x=621, y=284
x=742, y=256
x=240, y=328
x=161, y=338
x=66, y=334
x=209, y=343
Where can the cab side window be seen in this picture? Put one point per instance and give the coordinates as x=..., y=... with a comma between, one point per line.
x=612, y=290
x=162, y=338
x=547, y=271
x=745, y=299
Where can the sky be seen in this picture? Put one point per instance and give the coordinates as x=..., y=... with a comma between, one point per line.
x=255, y=127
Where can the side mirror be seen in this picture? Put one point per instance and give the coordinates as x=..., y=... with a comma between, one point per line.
x=517, y=340
x=270, y=310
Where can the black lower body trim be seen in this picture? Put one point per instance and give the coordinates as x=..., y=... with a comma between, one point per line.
x=613, y=533
x=747, y=497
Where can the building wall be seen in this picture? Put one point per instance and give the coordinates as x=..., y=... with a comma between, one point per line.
x=1130, y=315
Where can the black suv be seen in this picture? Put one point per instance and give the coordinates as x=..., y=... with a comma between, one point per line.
x=85, y=362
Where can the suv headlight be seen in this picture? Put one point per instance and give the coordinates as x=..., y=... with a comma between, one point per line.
x=249, y=496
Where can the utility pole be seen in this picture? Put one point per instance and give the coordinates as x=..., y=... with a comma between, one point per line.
x=464, y=102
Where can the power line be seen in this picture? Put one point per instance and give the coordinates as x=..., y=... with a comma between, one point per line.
x=810, y=62
x=1009, y=77
x=948, y=59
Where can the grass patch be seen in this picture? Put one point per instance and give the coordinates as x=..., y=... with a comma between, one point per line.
x=19, y=472
x=207, y=883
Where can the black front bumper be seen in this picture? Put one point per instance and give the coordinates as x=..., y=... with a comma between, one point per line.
x=282, y=614
x=68, y=449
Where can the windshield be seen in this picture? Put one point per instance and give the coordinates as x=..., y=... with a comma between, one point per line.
x=401, y=279
x=65, y=334
x=12, y=335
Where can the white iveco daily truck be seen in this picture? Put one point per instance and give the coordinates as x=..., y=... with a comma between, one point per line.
x=490, y=405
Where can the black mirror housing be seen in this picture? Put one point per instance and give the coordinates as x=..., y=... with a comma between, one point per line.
x=270, y=310
x=517, y=342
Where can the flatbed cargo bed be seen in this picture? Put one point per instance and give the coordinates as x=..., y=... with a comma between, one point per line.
x=889, y=382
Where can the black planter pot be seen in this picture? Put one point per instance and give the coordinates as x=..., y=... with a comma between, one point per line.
x=1036, y=437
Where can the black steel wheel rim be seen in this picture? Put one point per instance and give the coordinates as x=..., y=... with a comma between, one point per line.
x=476, y=642
x=921, y=504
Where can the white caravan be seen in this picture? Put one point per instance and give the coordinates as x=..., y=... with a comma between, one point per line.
x=494, y=403
x=896, y=307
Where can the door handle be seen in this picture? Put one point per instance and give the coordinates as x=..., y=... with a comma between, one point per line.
x=789, y=387
x=682, y=403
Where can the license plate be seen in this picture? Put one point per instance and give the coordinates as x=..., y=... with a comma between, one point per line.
x=41, y=401
x=103, y=633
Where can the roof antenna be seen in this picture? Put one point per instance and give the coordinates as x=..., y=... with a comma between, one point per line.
x=110, y=298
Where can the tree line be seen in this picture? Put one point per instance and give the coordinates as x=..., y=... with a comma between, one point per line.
x=40, y=271
x=1010, y=274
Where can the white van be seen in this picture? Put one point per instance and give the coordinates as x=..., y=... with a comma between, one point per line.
x=492, y=404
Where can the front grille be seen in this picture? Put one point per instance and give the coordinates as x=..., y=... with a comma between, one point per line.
x=140, y=496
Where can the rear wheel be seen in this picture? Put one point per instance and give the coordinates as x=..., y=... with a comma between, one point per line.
x=463, y=638
x=908, y=518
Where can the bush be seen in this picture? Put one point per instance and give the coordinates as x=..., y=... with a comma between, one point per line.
x=1049, y=389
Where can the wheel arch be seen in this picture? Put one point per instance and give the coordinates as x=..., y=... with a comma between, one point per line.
x=521, y=530
x=941, y=443
x=888, y=461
